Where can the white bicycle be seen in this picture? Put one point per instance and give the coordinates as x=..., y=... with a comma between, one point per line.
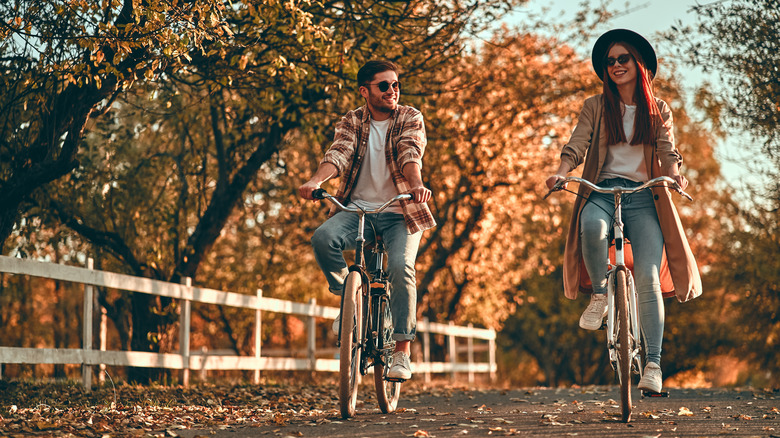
x=624, y=332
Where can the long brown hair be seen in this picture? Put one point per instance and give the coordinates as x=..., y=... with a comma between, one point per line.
x=647, y=113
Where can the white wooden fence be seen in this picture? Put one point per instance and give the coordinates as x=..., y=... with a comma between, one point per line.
x=186, y=360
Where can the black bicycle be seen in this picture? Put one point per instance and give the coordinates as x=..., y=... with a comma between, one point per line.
x=366, y=331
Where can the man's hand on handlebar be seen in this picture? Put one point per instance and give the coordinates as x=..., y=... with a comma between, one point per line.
x=305, y=191
x=420, y=194
x=319, y=194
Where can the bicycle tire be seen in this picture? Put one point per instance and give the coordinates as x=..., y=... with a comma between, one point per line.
x=624, y=347
x=349, y=350
x=387, y=392
x=639, y=351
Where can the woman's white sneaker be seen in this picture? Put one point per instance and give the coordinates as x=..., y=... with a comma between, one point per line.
x=594, y=314
x=652, y=380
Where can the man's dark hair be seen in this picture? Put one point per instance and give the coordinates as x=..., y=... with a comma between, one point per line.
x=371, y=68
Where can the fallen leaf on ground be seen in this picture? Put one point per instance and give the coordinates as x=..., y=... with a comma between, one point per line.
x=684, y=412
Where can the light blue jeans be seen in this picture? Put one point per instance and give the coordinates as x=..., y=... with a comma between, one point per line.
x=338, y=234
x=647, y=243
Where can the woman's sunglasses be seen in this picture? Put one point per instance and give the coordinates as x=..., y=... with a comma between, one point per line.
x=385, y=85
x=621, y=59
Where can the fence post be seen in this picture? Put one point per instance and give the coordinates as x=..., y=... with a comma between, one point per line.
x=453, y=350
x=427, y=349
x=86, y=340
x=492, y=353
x=312, y=331
x=185, y=318
x=258, y=333
x=103, y=335
x=470, y=352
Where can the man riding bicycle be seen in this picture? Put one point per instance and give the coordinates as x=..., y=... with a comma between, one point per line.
x=377, y=151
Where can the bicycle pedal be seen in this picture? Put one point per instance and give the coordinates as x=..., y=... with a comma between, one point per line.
x=655, y=394
x=390, y=379
x=603, y=326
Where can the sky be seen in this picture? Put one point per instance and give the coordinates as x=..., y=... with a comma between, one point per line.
x=648, y=17
x=642, y=16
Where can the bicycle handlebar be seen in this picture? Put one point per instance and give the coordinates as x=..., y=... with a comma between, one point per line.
x=322, y=194
x=620, y=190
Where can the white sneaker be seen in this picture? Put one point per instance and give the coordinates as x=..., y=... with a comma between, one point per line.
x=336, y=324
x=595, y=312
x=401, y=368
x=651, y=378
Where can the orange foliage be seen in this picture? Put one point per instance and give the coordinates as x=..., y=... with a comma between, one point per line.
x=494, y=135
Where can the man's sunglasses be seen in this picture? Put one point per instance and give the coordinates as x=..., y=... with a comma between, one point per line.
x=385, y=85
x=621, y=59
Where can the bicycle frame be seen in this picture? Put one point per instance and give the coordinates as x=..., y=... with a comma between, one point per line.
x=360, y=263
x=368, y=346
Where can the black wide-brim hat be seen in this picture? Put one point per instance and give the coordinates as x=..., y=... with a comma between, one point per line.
x=644, y=48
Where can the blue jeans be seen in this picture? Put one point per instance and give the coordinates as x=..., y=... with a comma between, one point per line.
x=338, y=234
x=647, y=243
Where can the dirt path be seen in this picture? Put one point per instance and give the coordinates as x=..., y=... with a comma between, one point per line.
x=535, y=412
x=298, y=408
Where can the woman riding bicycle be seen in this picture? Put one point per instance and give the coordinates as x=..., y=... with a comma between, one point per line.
x=624, y=136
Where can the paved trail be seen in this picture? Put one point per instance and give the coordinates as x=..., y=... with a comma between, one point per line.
x=528, y=412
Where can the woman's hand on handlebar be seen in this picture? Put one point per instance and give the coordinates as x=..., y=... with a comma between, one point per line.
x=552, y=180
x=681, y=180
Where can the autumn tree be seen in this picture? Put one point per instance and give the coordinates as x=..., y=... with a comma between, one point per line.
x=489, y=135
x=65, y=63
x=218, y=90
x=727, y=40
x=744, y=98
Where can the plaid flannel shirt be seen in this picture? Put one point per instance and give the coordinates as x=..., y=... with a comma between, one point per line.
x=405, y=144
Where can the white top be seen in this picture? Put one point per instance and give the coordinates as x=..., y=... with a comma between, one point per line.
x=374, y=185
x=624, y=160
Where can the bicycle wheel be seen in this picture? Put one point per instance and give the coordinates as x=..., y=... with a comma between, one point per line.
x=387, y=392
x=349, y=352
x=637, y=338
x=624, y=347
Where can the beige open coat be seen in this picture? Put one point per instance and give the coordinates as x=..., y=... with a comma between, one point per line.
x=588, y=144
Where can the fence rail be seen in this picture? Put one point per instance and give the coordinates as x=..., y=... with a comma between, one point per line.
x=187, y=361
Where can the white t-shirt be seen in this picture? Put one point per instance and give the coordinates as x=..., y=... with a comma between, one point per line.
x=374, y=185
x=624, y=160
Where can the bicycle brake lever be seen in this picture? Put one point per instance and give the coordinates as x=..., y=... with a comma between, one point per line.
x=682, y=192
x=557, y=187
